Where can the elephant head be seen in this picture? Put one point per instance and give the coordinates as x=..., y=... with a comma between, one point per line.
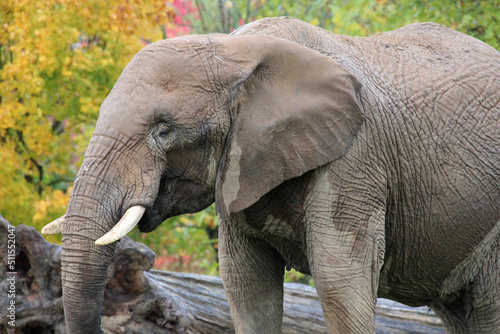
x=190, y=121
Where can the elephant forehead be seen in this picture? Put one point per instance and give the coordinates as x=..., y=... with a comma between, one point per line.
x=175, y=62
x=125, y=106
x=172, y=78
x=157, y=69
x=134, y=109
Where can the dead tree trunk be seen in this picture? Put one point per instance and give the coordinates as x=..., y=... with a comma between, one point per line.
x=141, y=300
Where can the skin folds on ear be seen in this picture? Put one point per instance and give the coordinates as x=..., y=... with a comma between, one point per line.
x=298, y=111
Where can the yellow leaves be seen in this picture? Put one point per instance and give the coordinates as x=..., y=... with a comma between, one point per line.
x=66, y=72
x=89, y=105
x=51, y=206
x=185, y=220
x=16, y=196
x=118, y=18
x=9, y=111
x=106, y=61
x=41, y=211
x=39, y=141
x=314, y=22
x=58, y=61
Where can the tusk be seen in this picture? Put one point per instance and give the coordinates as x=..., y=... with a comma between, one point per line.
x=125, y=225
x=55, y=227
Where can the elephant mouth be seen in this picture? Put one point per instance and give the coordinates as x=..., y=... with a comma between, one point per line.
x=176, y=197
x=161, y=208
x=151, y=219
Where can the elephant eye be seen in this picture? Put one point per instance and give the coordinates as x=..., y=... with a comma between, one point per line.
x=165, y=137
x=164, y=130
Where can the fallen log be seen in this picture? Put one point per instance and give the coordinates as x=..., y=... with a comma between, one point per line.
x=139, y=299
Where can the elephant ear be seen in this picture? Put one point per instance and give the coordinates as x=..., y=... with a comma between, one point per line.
x=298, y=110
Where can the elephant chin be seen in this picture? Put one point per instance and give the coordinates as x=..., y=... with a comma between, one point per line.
x=150, y=220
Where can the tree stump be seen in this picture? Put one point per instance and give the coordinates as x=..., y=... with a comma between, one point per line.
x=139, y=299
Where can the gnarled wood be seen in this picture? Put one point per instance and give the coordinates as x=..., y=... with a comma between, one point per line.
x=141, y=300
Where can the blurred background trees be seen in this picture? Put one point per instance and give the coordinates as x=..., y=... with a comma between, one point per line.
x=58, y=61
x=60, y=58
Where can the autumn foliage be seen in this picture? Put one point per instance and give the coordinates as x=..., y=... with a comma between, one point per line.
x=58, y=61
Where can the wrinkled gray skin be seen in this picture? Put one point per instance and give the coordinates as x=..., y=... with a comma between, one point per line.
x=371, y=163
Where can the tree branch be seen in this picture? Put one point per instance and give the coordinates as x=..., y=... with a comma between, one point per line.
x=138, y=299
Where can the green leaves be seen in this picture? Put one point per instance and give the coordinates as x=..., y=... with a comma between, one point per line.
x=365, y=17
x=185, y=243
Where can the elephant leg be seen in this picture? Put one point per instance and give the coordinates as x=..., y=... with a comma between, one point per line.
x=345, y=260
x=252, y=272
x=477, y=308
x=485, y=295
x=453, y=315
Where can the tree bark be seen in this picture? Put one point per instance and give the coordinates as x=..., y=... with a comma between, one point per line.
x=139, y=299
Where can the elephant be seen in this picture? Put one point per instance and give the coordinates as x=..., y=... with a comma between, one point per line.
x=370, y=163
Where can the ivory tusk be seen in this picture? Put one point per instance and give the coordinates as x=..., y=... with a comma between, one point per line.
x=54, y=227
x=125, y=225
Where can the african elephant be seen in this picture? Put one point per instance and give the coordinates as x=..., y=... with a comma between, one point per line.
x=372, y=164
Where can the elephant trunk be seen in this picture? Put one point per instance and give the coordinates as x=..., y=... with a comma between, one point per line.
x=84, y=264
x=101, y=195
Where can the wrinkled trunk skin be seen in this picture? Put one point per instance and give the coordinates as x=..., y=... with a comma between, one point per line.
x=84, y=268
x=84, y=265
x=99, y=198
